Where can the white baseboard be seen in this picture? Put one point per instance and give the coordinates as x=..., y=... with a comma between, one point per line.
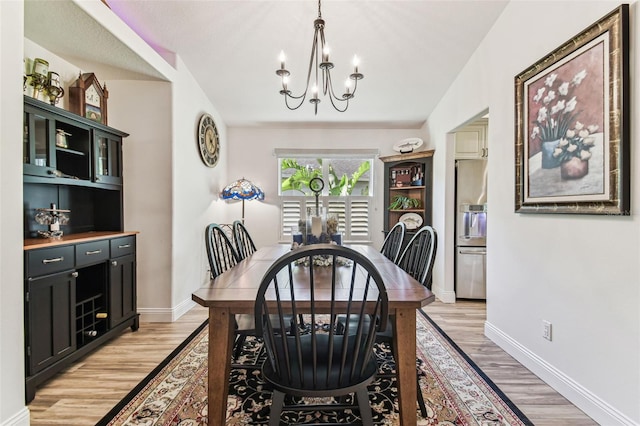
x=581, y=397
x=165, y=314
x=183, y=308
x=21, y=418
x=443, y=295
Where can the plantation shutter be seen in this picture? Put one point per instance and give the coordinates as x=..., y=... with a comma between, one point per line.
x=359, y=218
x=291, y=214
x=337, y=208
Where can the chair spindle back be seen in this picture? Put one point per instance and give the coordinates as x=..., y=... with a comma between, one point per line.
x=220, y=251
x=392, y=243
x=244, y=244
x=417, y=258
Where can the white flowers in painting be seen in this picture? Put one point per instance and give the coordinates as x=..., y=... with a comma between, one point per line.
x=577, y=142
x=564, y=89
x=577, y=79
x=558, y=107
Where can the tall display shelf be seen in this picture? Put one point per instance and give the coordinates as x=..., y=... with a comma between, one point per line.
x=408, y=180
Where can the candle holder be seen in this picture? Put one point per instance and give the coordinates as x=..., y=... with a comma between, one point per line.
x=53, y=217
x=39, y=75
x=53, y=88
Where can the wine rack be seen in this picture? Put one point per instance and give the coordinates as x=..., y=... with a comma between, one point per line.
x=91, y=304
x=91, y=319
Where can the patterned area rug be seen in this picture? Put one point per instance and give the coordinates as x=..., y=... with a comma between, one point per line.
x=455, y=390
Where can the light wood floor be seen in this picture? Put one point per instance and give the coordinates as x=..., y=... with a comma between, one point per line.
x=90, y=388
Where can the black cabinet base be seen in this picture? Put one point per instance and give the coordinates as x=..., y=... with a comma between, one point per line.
x=32, y=382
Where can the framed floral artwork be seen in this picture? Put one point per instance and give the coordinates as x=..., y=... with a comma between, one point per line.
x=572, y=124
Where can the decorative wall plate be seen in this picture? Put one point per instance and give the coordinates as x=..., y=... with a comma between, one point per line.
x=408, y=145
x=411, y=220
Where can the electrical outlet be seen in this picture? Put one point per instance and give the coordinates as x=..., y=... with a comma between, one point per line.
x=546, y=330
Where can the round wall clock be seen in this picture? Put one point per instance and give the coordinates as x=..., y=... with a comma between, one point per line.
x=208, y=140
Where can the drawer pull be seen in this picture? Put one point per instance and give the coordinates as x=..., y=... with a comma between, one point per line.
x=54, y=260
x=89, y=253
x=124, y=246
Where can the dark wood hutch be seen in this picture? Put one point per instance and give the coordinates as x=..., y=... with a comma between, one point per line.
x=80, y=288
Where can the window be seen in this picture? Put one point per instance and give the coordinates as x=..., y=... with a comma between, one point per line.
x=347, y=194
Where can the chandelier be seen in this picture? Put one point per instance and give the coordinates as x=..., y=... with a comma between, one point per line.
x=320, y=68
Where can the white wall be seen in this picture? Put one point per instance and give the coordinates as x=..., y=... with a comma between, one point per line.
x=170, y=195
x=12, y=409
x=147, y=174
x=195, y=186
x=258, y=164
x=581, y=273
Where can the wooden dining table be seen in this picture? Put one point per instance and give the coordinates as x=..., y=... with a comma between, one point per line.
x=234, y=292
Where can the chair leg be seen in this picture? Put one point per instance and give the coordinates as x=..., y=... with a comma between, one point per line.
x=423, y=407
x=238, y=346
x=277, y=402
x=365, y=407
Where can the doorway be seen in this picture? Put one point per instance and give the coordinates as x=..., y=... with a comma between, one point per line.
x=471, y=209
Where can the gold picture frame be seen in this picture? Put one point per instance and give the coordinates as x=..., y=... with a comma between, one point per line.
x=572, y=124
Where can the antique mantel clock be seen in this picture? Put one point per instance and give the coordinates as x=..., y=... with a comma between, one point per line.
x=88, y=98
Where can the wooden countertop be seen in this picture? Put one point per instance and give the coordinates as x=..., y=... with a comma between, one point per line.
x=36, y=243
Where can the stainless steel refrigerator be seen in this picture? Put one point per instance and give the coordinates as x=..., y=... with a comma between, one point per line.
x=471, y=229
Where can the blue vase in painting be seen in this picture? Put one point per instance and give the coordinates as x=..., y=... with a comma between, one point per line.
x=548, y=160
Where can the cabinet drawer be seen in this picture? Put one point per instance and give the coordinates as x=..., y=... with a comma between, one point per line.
x=48, y=261
x=94, y=252
x=123, y=246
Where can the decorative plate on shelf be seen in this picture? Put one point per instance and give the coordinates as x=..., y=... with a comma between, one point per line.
x=411, y=220
x=406, y=146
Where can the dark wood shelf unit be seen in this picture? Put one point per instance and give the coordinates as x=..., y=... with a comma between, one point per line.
x=408, y=175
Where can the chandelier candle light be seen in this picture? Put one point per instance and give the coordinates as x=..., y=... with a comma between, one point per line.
x=321, y=70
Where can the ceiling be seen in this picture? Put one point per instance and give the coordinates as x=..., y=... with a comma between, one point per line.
x=410, y=51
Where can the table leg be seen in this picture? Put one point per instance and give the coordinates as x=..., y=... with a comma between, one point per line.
x=405, y=344
x=221, y=333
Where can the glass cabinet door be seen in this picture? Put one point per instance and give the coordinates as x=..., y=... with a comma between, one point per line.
x=37, y=143
x=108, y=158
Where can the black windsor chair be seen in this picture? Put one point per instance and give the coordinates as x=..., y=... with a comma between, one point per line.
x=242, y=239
x=220, y=251
x=417, y=260
x=392, y=243
x=313, y=362
x=222, y=257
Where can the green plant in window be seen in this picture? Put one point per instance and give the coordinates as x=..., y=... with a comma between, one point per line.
x=299, y=180
x=400, y=202
x=302, y=174
x=345, y=185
